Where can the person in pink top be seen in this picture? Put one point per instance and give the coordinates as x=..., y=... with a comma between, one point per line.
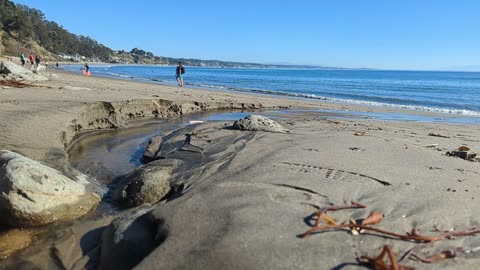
x=31, y=58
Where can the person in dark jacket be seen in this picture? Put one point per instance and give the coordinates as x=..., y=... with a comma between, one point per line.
x=179, y=74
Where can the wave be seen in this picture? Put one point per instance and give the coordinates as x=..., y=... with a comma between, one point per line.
x=120, y=75
x=347, y=101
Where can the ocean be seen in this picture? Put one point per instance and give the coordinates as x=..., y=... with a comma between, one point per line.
x=455, y=93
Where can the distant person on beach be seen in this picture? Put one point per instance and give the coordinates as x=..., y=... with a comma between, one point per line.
x=179, y=74
x=37, y=60
x=87, y=67
x=22, y=59
x=31, y=58
x=56, y=65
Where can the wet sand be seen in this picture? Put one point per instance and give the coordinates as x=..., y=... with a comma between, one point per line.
x=250, y=194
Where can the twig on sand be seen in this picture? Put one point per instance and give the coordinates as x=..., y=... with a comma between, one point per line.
x=446, y=254
x=378, y=262
x=437, y=135
x=411, y=251
x=414, y=234
x=323, y=212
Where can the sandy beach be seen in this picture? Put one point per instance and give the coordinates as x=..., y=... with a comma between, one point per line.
x=242, y=199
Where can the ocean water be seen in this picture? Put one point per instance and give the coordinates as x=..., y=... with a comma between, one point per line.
x=455, y=93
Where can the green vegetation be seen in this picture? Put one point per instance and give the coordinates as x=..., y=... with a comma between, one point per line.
x=28, y=27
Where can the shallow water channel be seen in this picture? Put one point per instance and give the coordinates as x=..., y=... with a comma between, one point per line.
x=107, y=155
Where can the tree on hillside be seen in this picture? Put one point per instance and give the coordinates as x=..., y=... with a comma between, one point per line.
x=28, y=24
x=137, y=51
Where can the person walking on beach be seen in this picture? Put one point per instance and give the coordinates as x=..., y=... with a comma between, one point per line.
x=179, y=74
x=37, y=60
x=87, y=67
x=22, y=59
x=32, y=59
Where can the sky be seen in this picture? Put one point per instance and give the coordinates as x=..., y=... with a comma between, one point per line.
x=397, y=34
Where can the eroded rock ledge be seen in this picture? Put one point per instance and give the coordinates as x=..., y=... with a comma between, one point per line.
x=110, y=115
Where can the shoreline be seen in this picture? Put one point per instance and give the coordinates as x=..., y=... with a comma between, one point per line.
x=95, y=89
x=416, y=109
x=220, y=192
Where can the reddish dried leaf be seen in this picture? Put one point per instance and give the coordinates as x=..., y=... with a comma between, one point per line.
x=373, y=218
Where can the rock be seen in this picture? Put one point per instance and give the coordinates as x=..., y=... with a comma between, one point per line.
x=152, y=148
x=259, y=123
x=19, y=72
x=146, y=184
x=34, y=194
x=14, y=240
x=74, y=88
x=467, y=155
x=460, y=154
x=128, y=239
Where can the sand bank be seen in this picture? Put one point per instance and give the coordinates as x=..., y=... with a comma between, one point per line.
x=244, y=199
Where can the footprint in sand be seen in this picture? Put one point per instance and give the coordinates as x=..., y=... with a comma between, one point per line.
x=332, y=174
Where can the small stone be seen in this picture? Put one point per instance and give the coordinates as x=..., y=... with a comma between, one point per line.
x=152, y=148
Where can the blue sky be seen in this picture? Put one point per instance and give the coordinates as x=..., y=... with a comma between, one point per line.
x=407, y=34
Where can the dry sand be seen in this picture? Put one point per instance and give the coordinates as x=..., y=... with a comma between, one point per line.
x=249, y=194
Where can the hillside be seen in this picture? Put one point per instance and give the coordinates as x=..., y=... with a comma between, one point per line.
x=25, y=29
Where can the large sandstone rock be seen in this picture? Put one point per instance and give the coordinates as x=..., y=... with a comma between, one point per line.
x=128, y=239
x=34, y=194
x=146, y=185
x=259, y=123
x=20, y=73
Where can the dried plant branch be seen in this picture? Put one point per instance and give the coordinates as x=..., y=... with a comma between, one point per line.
x=375, y=218
x=411, y=251
x=319, y=214
x=413, y=236
x=446, y=254
x=378, y=262
x=356, y=227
